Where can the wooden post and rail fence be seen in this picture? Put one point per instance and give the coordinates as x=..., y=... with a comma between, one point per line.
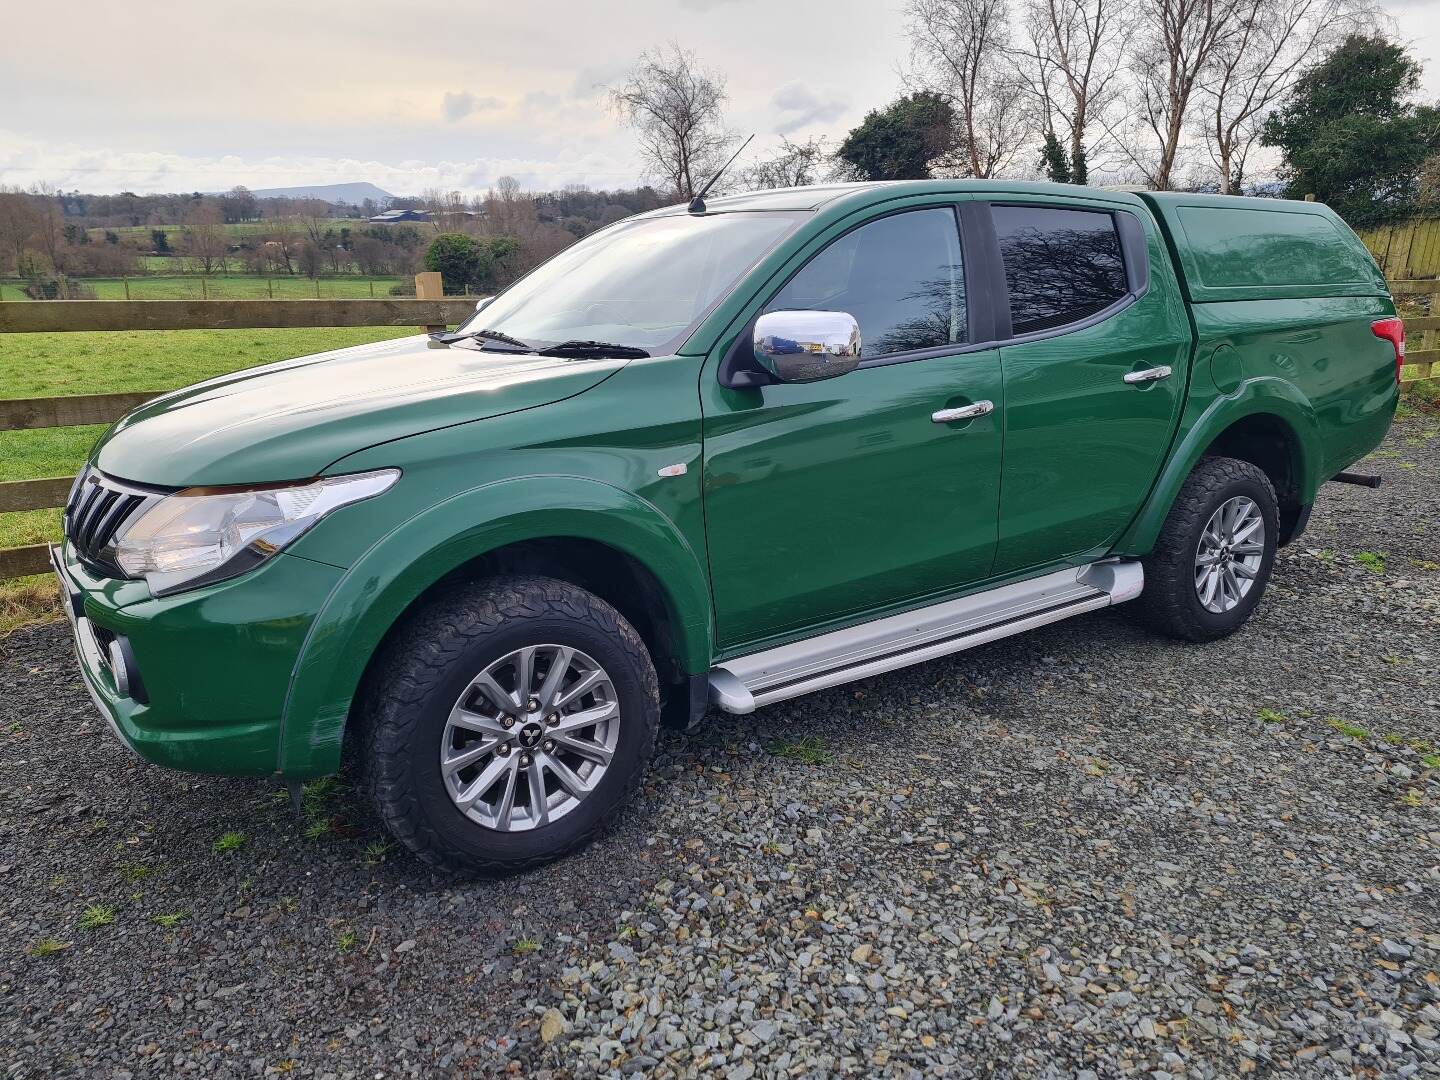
x=430, y=309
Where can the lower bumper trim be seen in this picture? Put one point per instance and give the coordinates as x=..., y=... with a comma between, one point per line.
x=87, y=649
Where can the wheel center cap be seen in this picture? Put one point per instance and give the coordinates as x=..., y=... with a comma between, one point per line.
x=530, y=735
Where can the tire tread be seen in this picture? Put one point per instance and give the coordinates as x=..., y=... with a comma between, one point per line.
x=1165, y=604
x=423, y=653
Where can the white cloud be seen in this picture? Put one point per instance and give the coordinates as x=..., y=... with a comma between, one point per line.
x=24, y=162
x=594, y=81
x=805, y=107
x=459, y=104
x=510, y=88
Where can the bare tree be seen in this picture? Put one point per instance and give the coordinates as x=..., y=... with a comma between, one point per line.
x=238, y=204
x=49, y=224
x=958, y=50
x=1255, y=64
x=793, y=165
x=204, y=239
x=508, y=210
x=282, y=243
x=1428, y=197
x=313, y=216
x=1174, y=46
x=675, y=108
x=19, y=222
x=1071, y=68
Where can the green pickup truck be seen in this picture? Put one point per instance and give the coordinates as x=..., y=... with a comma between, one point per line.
x=718, y=456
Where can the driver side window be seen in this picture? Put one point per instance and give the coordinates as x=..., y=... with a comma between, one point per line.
x=900, y=276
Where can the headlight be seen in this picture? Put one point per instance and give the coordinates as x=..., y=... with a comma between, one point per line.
x=201, y=535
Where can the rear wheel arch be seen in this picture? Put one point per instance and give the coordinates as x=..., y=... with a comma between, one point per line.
x=591, y=534
x=1272, y=445
x=1255, y=421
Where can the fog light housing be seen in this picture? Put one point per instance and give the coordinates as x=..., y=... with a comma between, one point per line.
x=124, y=671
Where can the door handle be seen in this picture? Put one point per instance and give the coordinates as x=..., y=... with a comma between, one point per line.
x=964, y=412
x=1149, y=375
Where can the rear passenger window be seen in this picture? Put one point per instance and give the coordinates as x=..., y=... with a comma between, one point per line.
x=1061, y=266
x=900, y=277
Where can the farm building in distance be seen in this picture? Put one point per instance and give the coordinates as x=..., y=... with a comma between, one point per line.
x=389, y=217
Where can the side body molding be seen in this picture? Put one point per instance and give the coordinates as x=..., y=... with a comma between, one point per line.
x=398, y=568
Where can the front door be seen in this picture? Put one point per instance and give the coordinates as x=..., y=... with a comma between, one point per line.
x=832, y=499
x=1094, y=377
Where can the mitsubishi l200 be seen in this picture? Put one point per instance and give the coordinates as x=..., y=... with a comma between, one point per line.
x=718, y=456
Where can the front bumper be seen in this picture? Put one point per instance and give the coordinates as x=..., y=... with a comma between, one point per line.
x=194, y=681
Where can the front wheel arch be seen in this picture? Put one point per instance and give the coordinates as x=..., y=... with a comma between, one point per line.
x=396, y=572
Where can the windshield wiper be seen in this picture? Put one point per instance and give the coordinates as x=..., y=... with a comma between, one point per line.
x=593, y=348
x=485, y=335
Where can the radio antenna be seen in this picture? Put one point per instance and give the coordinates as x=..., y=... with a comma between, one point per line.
x=697, y=204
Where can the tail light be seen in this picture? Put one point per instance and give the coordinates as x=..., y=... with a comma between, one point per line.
x=1393, y=331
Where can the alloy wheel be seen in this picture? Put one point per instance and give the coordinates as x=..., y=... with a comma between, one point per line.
x=530, y=738
x=1228, y=558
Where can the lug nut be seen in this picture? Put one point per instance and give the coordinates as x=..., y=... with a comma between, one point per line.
x=525, y=761
x=507, y=721
x=503, y=749
x=553, y=719
x=548, y=746
x=534, y=703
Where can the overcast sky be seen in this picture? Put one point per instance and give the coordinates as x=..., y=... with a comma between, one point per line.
x=174, y=95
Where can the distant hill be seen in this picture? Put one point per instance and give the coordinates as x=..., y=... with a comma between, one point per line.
x=355, y=194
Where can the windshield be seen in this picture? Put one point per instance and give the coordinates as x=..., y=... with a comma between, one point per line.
x=641, y=283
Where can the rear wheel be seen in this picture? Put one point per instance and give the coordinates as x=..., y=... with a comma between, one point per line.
x=507, y=723
x=1215, y=552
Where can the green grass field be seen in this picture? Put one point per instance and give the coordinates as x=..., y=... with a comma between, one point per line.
x=173, y=233
x=223, y=287
x=45, y=365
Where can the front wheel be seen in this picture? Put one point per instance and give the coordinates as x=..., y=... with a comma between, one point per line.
x=507, y=723
x=1214, y=555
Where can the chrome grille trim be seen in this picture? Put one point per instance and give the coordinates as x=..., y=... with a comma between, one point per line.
x=99, y=506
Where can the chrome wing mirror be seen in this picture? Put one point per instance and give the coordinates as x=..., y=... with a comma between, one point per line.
x=807, y=346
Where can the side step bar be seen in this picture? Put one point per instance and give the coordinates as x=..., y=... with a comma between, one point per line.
x=744, y=684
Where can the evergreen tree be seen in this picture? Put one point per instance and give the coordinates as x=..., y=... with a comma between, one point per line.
x=1351, y=134
x=1053, y=160
x=901, y=141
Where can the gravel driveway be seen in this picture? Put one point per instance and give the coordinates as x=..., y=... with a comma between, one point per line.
x=1084, y=852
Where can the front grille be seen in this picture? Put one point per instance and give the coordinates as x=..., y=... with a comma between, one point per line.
x=98, y=507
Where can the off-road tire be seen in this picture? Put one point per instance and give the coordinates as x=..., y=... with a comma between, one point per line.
x=408, y=695
x=1169, y=603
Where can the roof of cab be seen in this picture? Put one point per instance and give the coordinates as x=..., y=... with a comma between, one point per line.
x=860, y=193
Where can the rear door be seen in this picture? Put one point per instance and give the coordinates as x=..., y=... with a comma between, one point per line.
x=828, y=500
x=1095, y=373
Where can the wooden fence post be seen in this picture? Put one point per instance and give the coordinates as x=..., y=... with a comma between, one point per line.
x=428, y=286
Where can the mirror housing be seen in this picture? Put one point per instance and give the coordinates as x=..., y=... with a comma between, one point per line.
x=806, y=346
